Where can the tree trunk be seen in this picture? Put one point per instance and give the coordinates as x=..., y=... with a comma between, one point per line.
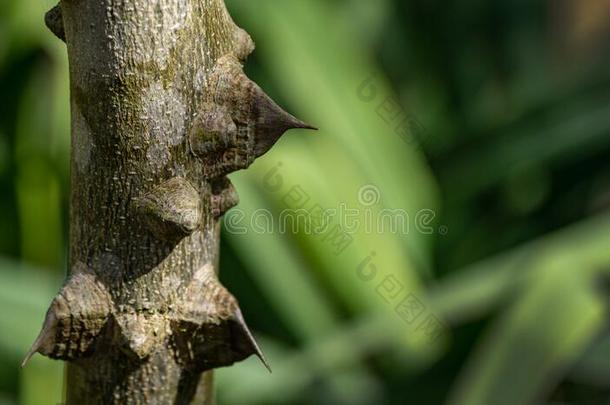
x=161, y=113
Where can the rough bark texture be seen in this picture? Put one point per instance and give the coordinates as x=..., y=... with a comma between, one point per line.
x=161, y=113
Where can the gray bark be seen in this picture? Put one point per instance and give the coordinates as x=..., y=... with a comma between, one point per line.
x=161, y=113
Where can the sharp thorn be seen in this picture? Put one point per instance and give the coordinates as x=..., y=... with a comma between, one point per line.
x=28, y=357
x=34, y=349
x=298, y=124
x=55, y=23
x=257, y=351
x=272, y=122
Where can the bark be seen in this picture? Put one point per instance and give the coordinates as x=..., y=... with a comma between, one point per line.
x=161, y=113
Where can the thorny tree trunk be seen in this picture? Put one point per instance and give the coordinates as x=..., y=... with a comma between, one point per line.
x=161, y=113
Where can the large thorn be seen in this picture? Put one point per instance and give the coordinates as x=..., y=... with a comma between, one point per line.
x=245, y=331
x=75, y=318
x=54, y=21
x=271, y=122
x=208, y=328
x=238, y=122
x=44, y=341
x=172, y=210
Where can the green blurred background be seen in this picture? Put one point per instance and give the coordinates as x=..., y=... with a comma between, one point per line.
x=486, y=122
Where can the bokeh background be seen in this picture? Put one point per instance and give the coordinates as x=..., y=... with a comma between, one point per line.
x=486, y=122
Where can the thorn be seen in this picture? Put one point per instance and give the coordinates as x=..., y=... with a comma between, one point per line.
x=272, y=121
x=74, y=319
x=307, y=126
x=54, y=21
x=257, y=351
x=30, y=353
x=239, y=121
x=48, y=325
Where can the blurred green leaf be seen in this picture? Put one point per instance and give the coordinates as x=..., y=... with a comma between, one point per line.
x=42, y=382
x=567, y=134
x=529, y=349
x=478, y=289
